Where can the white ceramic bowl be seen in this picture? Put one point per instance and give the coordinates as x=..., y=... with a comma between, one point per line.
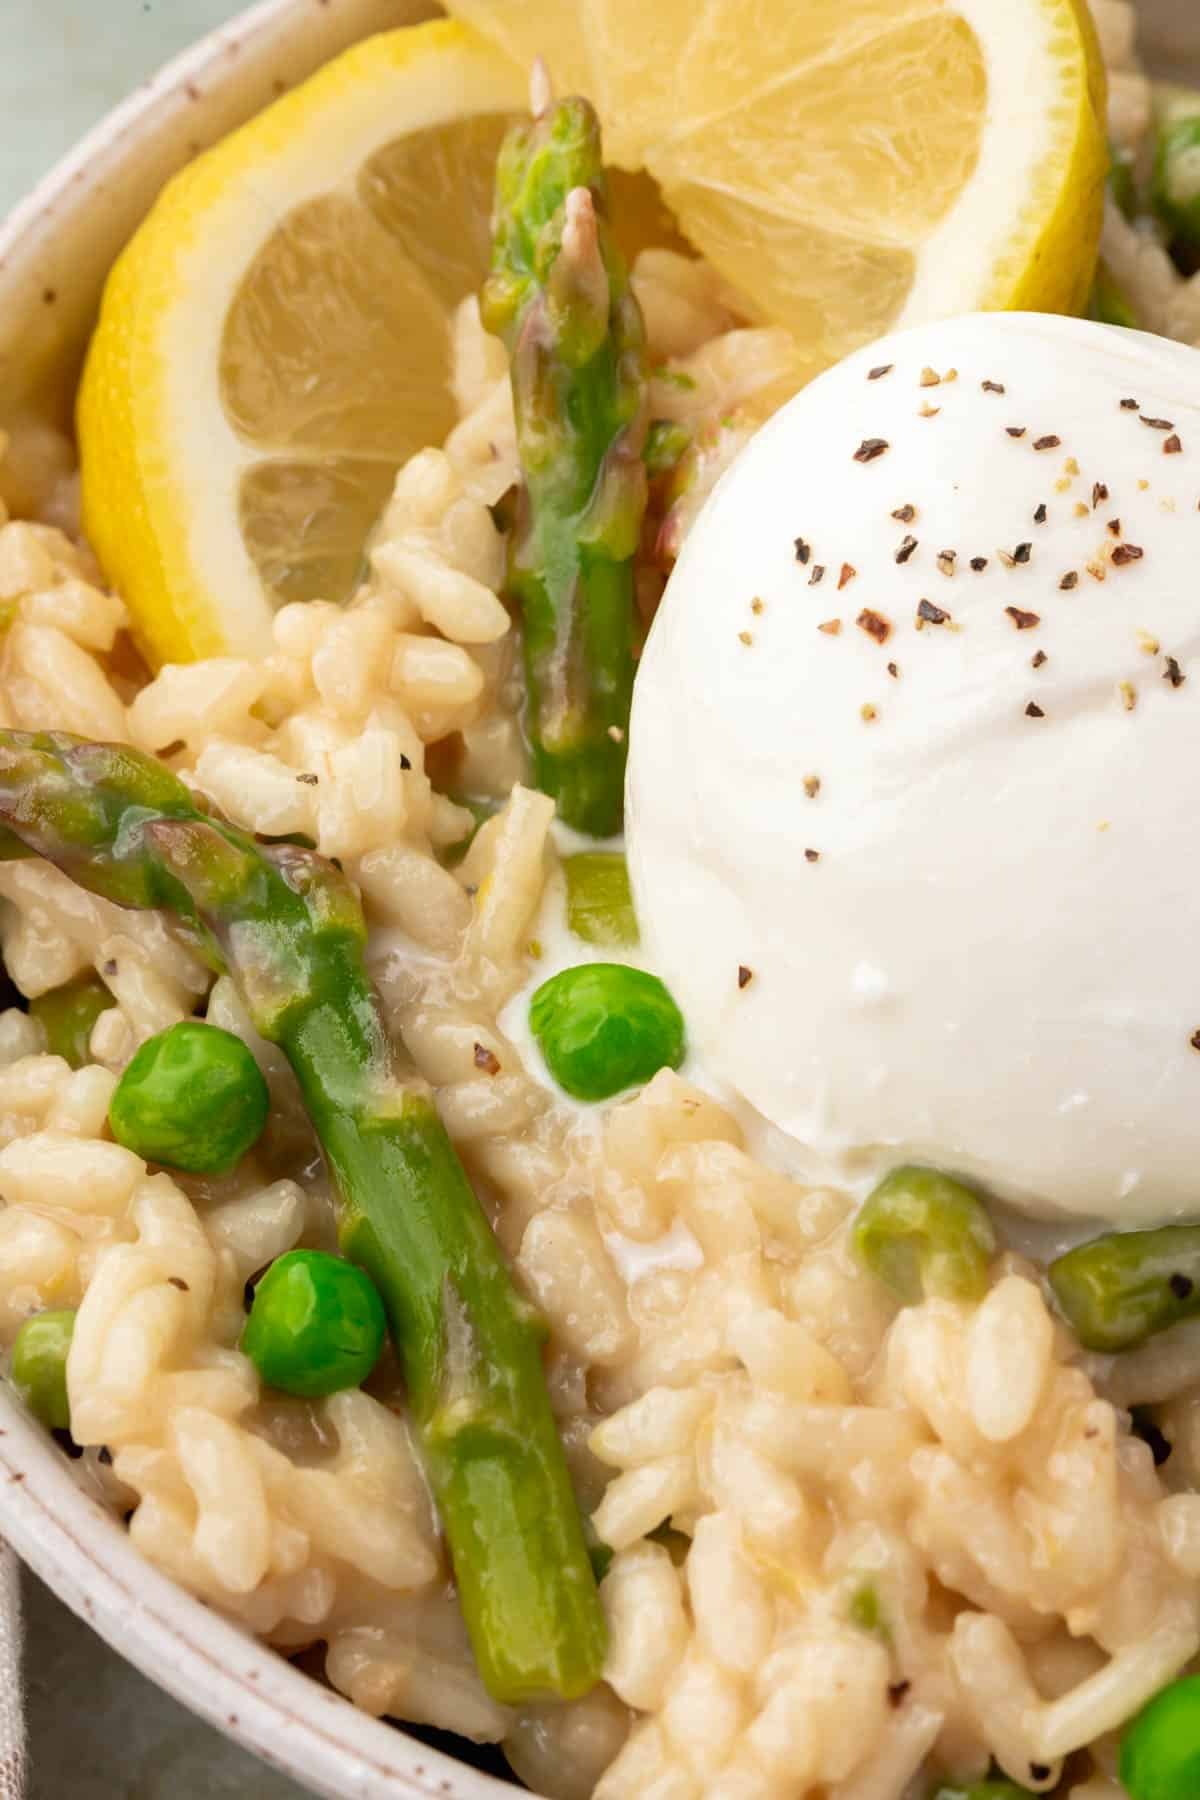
x=54, y=253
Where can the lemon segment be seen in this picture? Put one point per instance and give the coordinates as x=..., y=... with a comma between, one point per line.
x=275, y=339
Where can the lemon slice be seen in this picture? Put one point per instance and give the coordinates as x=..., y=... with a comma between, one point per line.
x=851, y=165
x=275, y=340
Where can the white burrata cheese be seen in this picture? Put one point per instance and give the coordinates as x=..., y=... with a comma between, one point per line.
x=914, y=785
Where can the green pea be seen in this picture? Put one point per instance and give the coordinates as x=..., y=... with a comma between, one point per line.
x=316, y=1324
x=599, y=900
x=67, y=1015
x=39, y=1366
x=192, y=1098
x=924, y=1234
x=1160, y=1747
x=1175, y=190
x=603, y=1027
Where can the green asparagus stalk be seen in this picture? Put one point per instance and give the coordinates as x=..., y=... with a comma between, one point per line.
x=288, y=927
x=559, y=297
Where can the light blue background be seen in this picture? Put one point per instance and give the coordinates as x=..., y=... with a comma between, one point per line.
x=64, y=63
x=98, y=1731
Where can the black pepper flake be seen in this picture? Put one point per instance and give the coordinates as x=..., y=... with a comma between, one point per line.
x=896, y=1692
x=992, y=387
x=812, y=856
x=979, y=564
x=1069, y=580
x=1182, y=1286
x=1038, y=658
x=1157, y=424
x=1039, y=1771
x=929, y=614
x=906, y=513
x=870, y=448
x=1022, y=553
x=1173, y=673
x=1173, y=445
x=847, y=575
x=883, y=369
x=745, y=976
x=1129, y=406
x=1114, y=525
x=893, y=671
x=109, y=967
x=803, y=551
x=818, y=571
x=1015, y=430
x=946, y=560
x=1039, y=517
x=1034, y=711
x=1024, y=621
x=906, y=549
x=1127, y=553
x=308, y=778
x=1049, y=442
x=405, y=762
x=487, y=1060
x=874, y=624
x=1099, y=493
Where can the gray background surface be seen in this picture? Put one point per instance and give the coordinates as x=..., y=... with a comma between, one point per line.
x=64, y=63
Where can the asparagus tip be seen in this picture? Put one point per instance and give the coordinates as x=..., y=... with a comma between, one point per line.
x=541, y=88
x=581, y=256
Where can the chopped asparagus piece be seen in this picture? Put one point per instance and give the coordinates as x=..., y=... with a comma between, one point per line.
x=599, y=900
x=1125, y=1286
x=289, y=928
x=559, y=297
x=68, y=1014
x=925, y=1235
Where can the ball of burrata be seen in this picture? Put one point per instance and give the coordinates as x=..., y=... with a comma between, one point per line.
x=914, y=783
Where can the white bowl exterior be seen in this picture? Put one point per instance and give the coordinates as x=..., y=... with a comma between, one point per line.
x=55, y=250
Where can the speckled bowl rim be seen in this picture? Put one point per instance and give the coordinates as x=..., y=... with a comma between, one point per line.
x=70, y=227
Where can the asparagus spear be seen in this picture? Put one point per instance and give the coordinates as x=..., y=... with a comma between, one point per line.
x=559, y=297
x=288, y=927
